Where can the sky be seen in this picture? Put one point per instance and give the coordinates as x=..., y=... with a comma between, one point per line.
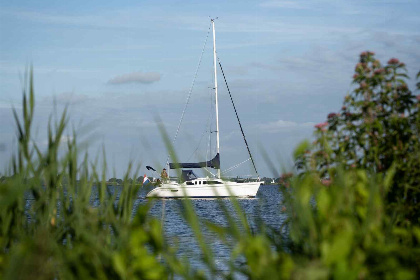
x=125, y=67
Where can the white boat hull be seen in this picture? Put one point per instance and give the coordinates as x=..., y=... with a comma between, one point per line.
x=228, y=189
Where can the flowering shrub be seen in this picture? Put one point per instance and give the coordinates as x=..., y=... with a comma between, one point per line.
x=354, y=207
x=377, y=127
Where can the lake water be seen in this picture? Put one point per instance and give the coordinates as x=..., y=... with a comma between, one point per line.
x=266, y=206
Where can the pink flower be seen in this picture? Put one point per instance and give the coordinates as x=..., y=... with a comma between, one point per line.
x=332, y=115
x=402, y=64
x=326, y=182
x=321, y=125
x=364, y=54
x=355, y=76
x=363, y=85
x=393, y=61
x=370, y=53
x=418, y=97
x=379, y=71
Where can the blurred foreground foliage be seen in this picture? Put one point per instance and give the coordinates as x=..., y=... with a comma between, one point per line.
x=352, y=207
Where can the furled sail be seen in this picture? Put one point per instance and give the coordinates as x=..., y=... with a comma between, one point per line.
x=214, y=163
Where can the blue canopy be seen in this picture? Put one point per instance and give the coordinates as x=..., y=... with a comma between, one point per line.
x=214, y=163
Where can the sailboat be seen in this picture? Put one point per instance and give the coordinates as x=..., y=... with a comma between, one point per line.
x=192, y=186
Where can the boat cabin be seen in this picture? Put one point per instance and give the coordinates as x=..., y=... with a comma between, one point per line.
x=203, y=181
x=189, y=177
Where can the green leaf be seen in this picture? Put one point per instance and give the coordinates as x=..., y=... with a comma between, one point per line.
x=301, y=149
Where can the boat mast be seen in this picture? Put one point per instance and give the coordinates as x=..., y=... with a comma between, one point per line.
x=215, y=93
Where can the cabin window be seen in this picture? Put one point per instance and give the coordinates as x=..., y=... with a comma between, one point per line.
x=190, y=183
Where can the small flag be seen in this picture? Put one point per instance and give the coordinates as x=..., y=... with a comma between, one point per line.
x=145, y=180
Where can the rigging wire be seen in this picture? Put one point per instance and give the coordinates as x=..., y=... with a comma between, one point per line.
x=189, y=94
x=205, y=169
x=237, y=117
x=235, y=166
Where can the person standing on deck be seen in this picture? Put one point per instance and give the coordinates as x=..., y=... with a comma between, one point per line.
x=164, y=175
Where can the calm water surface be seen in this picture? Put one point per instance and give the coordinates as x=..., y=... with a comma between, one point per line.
x=266, y=207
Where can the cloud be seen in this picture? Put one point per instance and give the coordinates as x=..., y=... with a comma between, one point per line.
x=108, y=20
x=284, y=4
x=9, y=105
x=273, y=127
x=135, y=77
x=70, y=98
